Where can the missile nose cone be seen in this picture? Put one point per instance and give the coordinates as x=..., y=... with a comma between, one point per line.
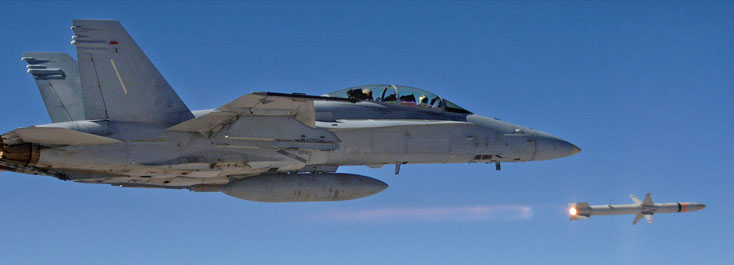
x=550, y=147
x=695, y=206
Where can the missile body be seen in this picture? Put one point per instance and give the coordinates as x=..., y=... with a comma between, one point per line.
x=645, y=208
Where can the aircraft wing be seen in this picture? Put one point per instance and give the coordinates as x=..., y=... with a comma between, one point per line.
x=261, y=104
x=264, y=120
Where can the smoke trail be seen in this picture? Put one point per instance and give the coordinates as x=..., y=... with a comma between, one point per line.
x=447, y=213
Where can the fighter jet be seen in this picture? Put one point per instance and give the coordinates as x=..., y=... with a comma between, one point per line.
x=115, y=120
x=645, y=208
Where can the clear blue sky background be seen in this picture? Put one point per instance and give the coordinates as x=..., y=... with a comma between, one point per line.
x=644, y=88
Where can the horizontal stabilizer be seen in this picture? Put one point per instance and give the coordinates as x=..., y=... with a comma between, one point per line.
x=60, y=136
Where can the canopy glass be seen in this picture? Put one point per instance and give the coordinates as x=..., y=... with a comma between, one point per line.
x=401, y=95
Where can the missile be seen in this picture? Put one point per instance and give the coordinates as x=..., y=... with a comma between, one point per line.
x=645, y=208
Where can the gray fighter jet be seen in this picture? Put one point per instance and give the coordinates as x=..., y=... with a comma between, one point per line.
x=645, y=208
x=117, y=121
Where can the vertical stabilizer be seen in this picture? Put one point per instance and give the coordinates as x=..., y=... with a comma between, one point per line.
x=57, y=78
x=118, y=81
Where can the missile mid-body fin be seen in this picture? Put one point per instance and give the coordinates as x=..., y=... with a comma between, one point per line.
x=639, y=216
x=647, y=201
x=635, y=199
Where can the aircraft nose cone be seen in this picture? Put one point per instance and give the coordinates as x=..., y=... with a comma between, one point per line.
x=575, y=149
x=550, y=147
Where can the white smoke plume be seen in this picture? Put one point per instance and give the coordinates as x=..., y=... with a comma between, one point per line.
x=509, y=212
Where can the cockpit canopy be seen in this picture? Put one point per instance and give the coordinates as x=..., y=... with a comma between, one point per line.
x=401, y=95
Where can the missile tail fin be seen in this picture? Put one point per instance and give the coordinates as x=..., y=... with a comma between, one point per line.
x=579, y=210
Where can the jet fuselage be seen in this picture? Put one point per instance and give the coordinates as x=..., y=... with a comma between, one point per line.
x=371, y=134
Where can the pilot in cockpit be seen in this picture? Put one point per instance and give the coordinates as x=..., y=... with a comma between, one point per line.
x=360, y=94
x=367, y=93
x=423, y=100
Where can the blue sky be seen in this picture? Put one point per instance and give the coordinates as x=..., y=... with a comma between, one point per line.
x=644, y=88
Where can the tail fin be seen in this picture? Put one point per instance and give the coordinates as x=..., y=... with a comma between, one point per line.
x=57, y=77
x=118, y=81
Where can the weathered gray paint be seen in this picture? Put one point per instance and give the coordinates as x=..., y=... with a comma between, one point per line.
x=118, y=80
x=297, y=187
x=158, y=143
x=58, y=84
